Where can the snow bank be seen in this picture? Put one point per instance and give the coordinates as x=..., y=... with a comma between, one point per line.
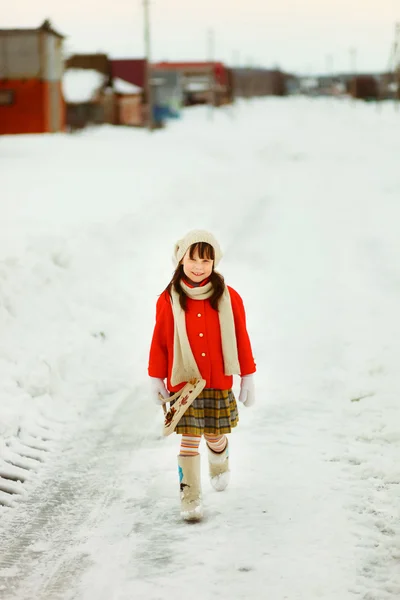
x=124, y=87
x=81, y=85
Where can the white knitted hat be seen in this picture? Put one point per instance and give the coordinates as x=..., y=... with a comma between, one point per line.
x=193, y=237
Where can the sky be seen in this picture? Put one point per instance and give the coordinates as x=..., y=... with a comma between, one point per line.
x=309, y=36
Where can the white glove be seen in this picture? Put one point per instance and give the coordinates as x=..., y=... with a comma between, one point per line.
x=247, y=393
x=158, y=387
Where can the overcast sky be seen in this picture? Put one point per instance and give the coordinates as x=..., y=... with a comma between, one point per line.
x=300, y=36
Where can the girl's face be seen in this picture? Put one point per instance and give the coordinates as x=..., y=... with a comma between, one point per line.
x=197, y=269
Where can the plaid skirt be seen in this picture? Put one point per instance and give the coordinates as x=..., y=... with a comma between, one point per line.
x=213, y=411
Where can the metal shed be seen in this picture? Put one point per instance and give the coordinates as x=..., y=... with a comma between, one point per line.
x=31, y=67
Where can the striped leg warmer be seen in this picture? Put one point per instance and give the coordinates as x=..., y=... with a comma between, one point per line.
x=190, y=445
x=216, y=443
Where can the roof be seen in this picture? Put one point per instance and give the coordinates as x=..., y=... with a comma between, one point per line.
x=186, y=65
x=97, y=62
x=45, y=26
x=220, y=70
x=81, y=85
x=130, y=70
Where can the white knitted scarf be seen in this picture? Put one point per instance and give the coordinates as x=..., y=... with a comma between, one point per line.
x=184, y=365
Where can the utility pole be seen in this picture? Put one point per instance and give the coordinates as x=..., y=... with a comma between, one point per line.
x=394, y=66
x=353, y=70
x=211, y=60
x=396, y=51
x=147, y=47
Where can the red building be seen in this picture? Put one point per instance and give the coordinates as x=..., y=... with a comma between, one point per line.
x=31, y=67
x=131, y=70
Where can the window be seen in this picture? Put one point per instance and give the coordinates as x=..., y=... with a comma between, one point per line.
x=6, y=97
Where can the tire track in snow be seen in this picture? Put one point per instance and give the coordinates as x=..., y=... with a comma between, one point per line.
x=47, y=532
x=368, y=456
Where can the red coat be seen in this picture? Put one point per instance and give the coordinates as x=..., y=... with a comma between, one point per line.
x=203, y=329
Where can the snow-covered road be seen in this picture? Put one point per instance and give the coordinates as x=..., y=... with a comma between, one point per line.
x=309, y=518
x=304, y=197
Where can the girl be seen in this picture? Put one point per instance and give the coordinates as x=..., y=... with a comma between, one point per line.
x=200, y=332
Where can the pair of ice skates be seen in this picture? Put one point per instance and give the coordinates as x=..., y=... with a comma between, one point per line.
x=190, y=481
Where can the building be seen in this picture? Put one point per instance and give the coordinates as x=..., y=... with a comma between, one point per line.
x=202, y=82
x=128, y=103
x=102, y=90
x=85, y=98
x=258, y=82
x=99, y=90
x=87, y=91
x=31, y=67
x=165, y=98
x=92, y=62
x=129, y=82
x=167, y=94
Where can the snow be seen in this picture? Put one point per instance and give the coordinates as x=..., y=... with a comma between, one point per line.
x=197, y=86
x=303, y=196
x=221, y=481
x=124, y=87
x=81, y=85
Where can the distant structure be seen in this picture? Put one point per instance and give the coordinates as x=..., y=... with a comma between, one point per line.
x=100, y=90
x=31, y=68
x=201, y=82
x=120, y=93
x=258, y=82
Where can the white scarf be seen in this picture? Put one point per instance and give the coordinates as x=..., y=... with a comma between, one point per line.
x=184, y=365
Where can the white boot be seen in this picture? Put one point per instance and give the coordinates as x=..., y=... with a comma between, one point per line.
x=189, y=478
x=219, y=468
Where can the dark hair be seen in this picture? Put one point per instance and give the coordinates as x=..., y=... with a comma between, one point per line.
x=205, y=251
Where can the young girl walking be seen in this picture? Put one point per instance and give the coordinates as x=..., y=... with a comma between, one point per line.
x=200, y=333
